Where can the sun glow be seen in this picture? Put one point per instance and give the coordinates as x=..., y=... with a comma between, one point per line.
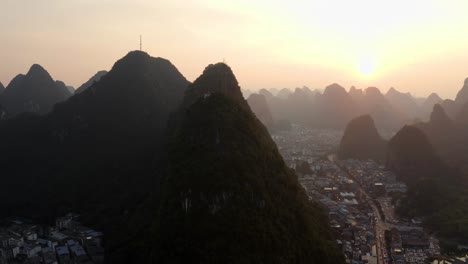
x=366, y=66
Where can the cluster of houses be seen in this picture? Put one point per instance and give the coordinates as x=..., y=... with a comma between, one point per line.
x=22, y=241
x=405, y=239
x=351, y=217
x=356, y=194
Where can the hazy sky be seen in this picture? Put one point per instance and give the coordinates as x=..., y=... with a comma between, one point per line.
x=415, y=46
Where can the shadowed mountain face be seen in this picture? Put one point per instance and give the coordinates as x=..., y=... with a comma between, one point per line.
x=441, y=131
x=436, y=191
x=259, y=106
x=410, y=152
x=2, y=88
x=362, y=141
x=34, y=92
x=228, y=196
x=462, y=95
x=91, y=81
x=94, y=153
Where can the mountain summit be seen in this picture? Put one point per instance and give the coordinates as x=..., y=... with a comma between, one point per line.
x=216, y=79
x=362, y=141
x=94, y=153
x=228, y=196
x=34, y=92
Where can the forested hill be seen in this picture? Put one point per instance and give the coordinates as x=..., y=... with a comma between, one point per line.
x=228, y=196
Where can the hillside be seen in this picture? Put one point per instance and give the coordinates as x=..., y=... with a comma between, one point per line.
x=435, y=192
x=361, y=140
x=228, y=195
x=95, y=153
x=96, y=77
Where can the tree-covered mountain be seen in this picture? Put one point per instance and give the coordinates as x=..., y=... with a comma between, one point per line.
x=409, y=152
x=96, y=77
x=361, y=140
x=34, y=92
x=95, y=153
x=228, y=197
x=436, y=191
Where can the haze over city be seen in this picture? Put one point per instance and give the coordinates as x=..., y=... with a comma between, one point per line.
x=414, y=46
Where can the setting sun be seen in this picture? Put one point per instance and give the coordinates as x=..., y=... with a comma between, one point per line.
x=366, y=67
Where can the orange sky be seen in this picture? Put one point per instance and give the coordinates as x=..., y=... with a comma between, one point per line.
x=416, y=46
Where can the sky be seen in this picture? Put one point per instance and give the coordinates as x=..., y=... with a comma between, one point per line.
x=415, y=46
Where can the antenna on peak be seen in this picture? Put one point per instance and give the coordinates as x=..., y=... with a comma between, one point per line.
x=141, y=44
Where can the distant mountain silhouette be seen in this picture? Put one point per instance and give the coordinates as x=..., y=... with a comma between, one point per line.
x=439, y=118
x=462, y=95
x=96, y=77
x=334, y=108
x=404, y=103
x=450, y=107
x=268, y=95
x=274, y=91
x=228, y=195
x=356, y=94
x=382, y=111
x=2, y=88
x=246, y=93
x=440, y=131
x=428, y=105
x=291, y=106
x=34, y=92
x=259, y=106
x=284, y=93
x=300, y=105
x=361, y=140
